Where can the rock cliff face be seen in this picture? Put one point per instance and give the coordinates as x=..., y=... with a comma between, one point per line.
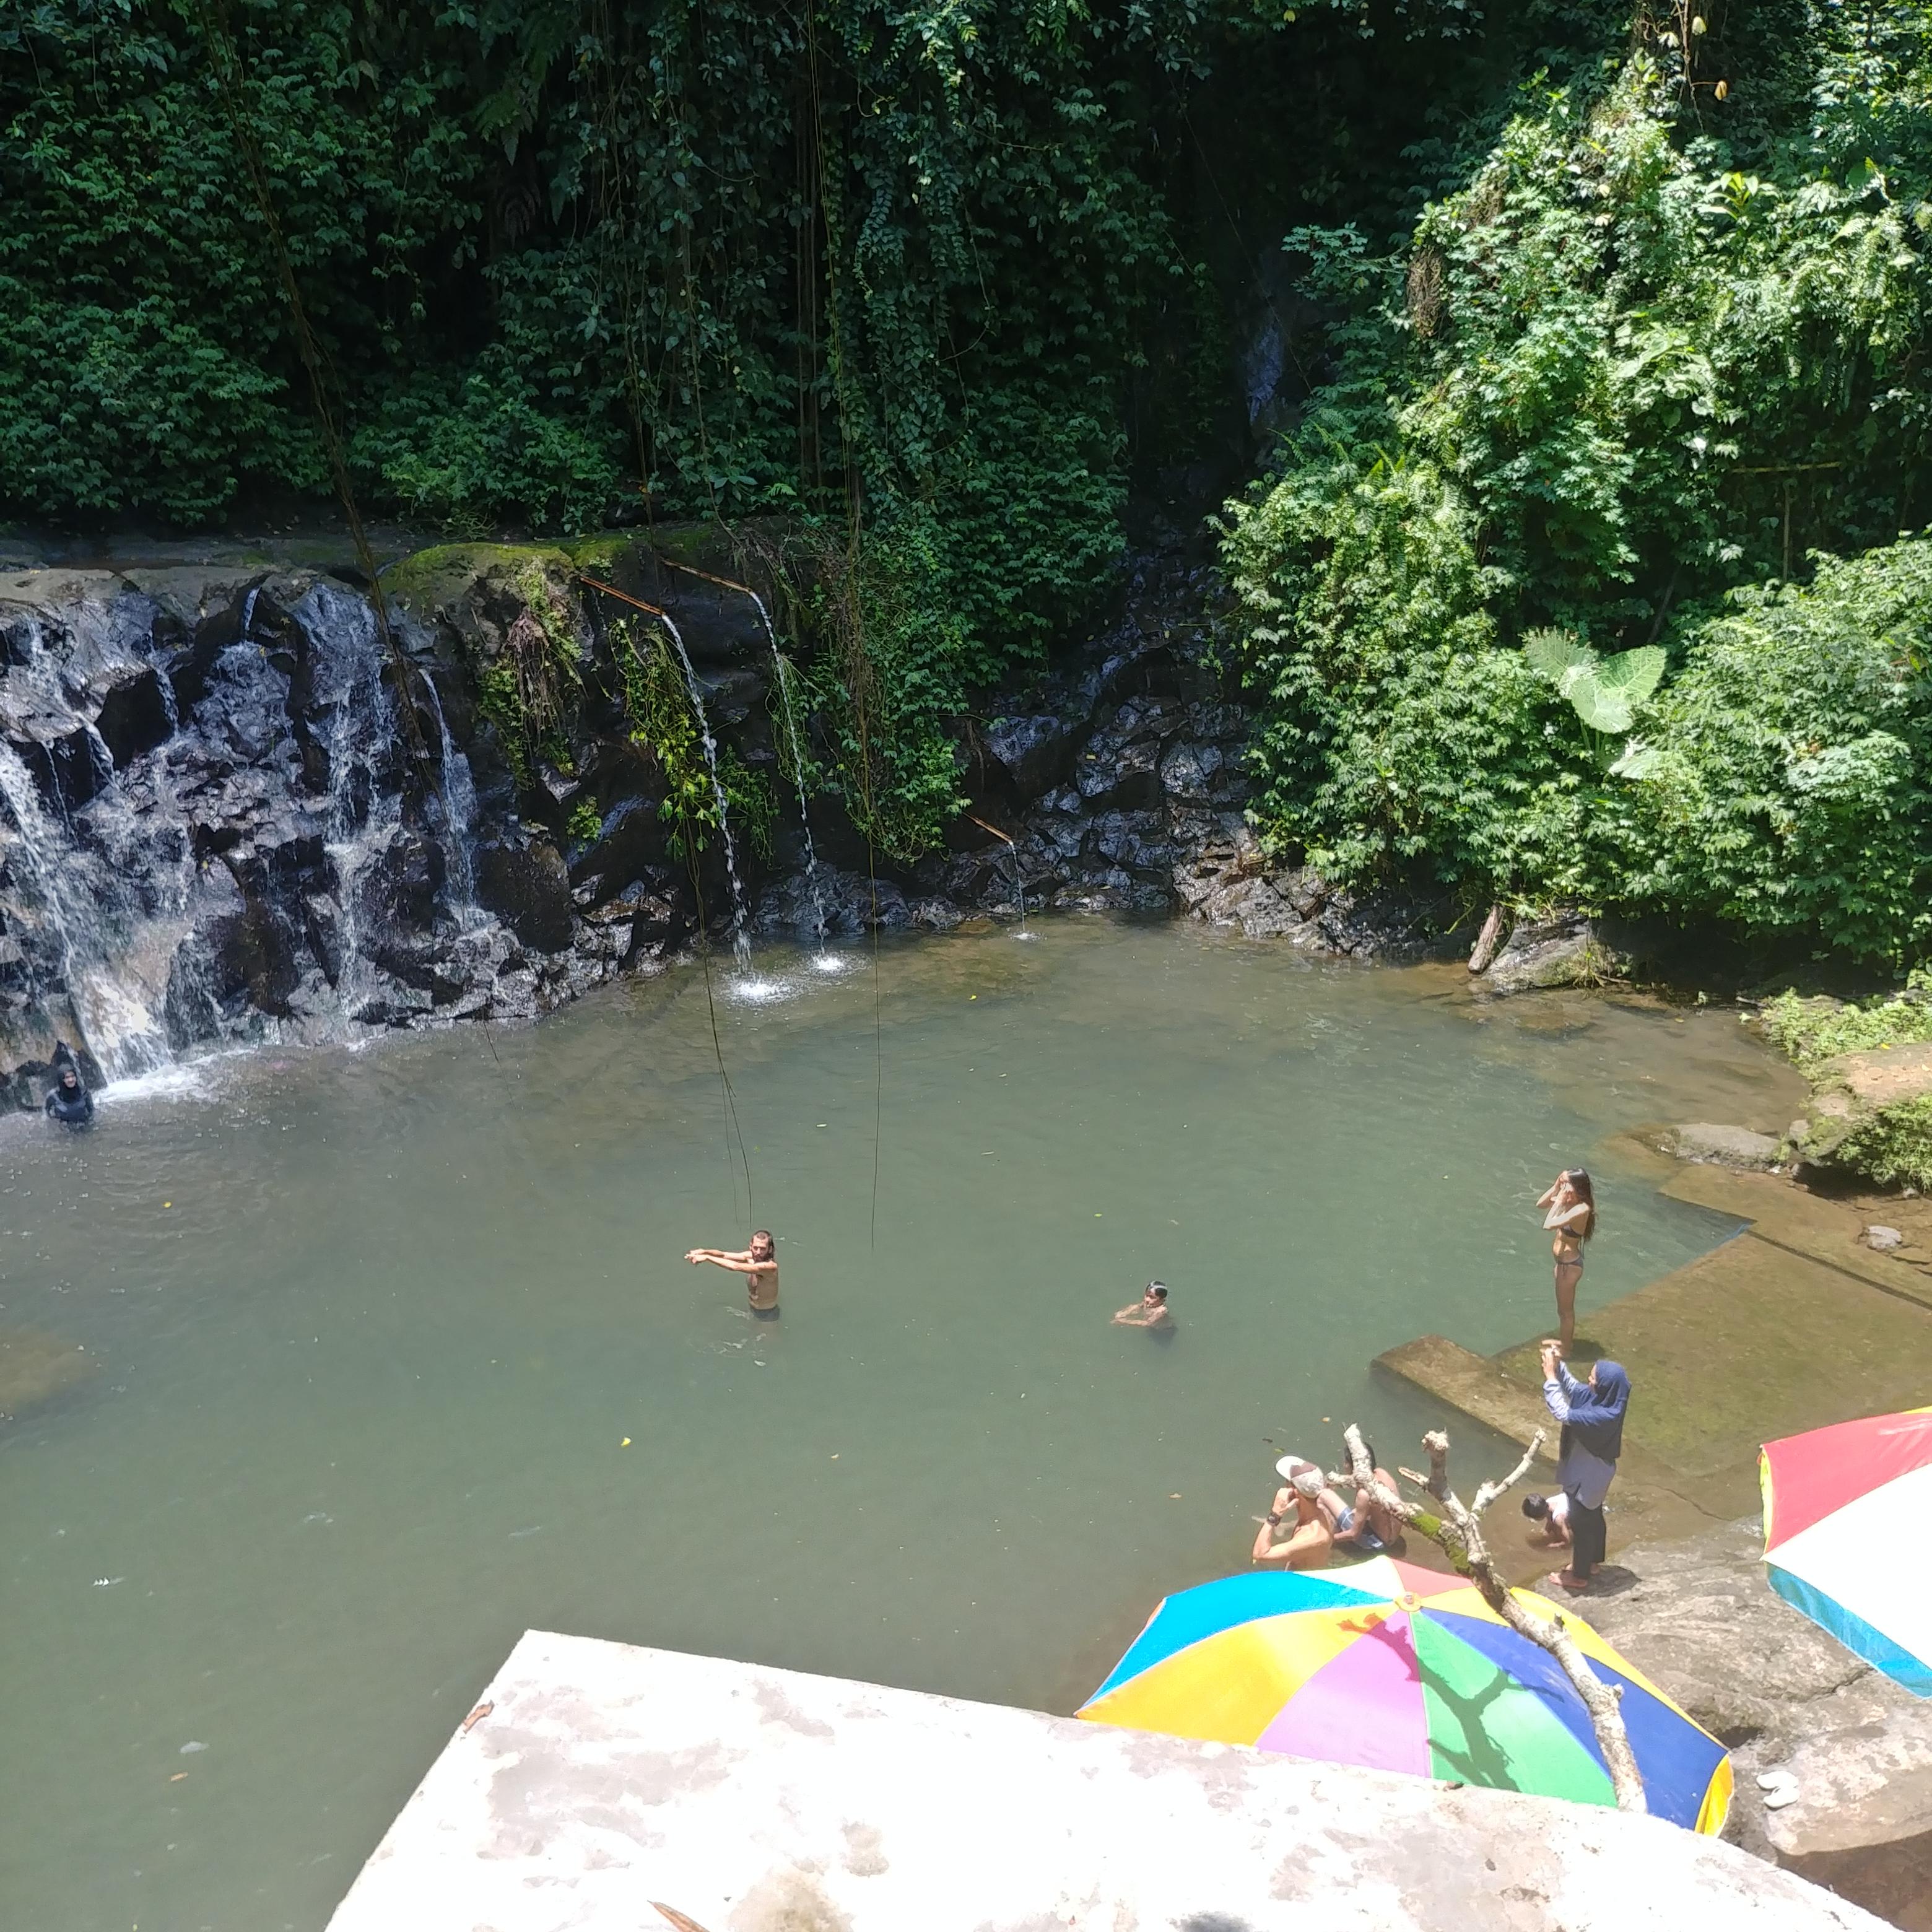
x=228, y=814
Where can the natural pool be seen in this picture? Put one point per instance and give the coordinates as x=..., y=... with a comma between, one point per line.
x=371, y=1327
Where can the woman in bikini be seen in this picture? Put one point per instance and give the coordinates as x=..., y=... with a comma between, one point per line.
x=1571, y=1221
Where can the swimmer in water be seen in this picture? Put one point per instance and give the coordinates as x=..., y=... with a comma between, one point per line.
x=759, y=1265
x=1151, y=1311
x=68, y=1102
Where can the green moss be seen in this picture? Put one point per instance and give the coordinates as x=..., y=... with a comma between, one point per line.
x=1812, y=1031
x=427, y=580
x=528, y=687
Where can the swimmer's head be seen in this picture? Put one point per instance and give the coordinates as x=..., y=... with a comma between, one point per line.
x=1157, y=1290
x=1537, y=1508
x=763, y=1246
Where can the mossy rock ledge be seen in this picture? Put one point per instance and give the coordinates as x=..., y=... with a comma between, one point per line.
x=1871, y=1112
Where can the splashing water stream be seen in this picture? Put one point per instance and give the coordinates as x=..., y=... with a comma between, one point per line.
x=458, y=795
x=81, y=904
x=783, y=677
x=741, y=944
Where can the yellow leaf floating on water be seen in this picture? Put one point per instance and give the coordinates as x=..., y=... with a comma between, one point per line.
x=626, y=1443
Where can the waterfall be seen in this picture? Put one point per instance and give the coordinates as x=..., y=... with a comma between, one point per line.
x=798, y=769
x=248, y=615
x=741, y=946
x=458, y=808
x=82, y=905
x=363, y=814
x=1019, y=889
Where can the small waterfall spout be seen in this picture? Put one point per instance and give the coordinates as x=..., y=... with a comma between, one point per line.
x=1019, y=877
x=783, y=676
x=741, y=945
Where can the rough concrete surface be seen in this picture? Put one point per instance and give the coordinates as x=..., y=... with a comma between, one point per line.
x=604, y=1780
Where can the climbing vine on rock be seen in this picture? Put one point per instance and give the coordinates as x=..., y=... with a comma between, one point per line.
x=526, y=687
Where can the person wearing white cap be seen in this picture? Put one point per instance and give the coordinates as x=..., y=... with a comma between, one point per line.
x=1310, y=1541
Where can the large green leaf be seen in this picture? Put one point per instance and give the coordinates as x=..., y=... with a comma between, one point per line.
x=1632, y=675
x=1602, y=710
x=1560, y=655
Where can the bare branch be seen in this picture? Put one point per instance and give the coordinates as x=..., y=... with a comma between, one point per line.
x=1458, y=1533
x=1488, y=1493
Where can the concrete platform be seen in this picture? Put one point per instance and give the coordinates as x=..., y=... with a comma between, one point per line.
x=1790, y=1324
x=606, y=1782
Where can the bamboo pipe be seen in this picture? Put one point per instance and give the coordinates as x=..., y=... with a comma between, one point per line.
x=622, y=596
x=993, y=828
x=692, y=570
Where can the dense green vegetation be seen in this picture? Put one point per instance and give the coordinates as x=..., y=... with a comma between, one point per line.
x=1626, y=391
x=1892, y=1142
x=1582, y=567
x=949, y=278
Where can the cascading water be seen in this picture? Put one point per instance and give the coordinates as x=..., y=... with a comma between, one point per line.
x=458, y=808
x=363, y=813
x=741, y=945
x=783, y=677
x=74, y=922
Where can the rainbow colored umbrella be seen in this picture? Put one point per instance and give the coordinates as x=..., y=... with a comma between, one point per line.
x=1844, y=1512
x=1401, y=1669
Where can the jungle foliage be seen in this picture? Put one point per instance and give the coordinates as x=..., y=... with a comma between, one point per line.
x=1602, y=331
x=1650, y=379
x=954, y=274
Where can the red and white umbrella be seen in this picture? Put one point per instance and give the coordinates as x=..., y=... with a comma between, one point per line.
x=1845, y=1512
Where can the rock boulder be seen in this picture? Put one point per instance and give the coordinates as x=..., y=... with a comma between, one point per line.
x=1700, y=1620
x=1542, y=955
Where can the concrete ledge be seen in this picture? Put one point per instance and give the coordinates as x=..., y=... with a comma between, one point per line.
x=1473, y=1385
x=606, y=1779
x=1800, y=1224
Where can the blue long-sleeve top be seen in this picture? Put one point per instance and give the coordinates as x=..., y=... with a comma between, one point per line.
x=1582, y=1474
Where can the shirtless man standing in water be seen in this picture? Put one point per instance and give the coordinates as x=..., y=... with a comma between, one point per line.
x=759, y=1265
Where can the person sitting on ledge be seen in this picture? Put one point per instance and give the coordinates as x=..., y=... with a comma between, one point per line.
x=759, y=1265
x=1151, y=1311
x=1310, y=1541
x=1368, y=1525
x=1550, y=1518
x=68, y=1101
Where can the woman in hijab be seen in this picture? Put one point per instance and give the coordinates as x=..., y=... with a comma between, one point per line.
x=1592, y=1416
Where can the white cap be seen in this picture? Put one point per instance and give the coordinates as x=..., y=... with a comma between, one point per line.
x=1288, y=1465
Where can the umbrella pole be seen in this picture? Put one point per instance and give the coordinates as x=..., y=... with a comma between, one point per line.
x=1458, y=1533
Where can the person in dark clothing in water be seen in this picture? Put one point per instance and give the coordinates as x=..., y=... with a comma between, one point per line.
x=68, y=1101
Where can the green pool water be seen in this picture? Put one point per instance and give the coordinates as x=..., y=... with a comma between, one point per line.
x=370, y=1329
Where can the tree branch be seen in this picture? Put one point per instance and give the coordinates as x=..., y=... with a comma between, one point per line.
x=1458, y=1533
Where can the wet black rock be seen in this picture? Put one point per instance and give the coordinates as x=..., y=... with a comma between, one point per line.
x=525, y=882
x=1034, y=753
x=228, y=812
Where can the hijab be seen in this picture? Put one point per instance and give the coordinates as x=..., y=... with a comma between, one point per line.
x=1596, y=1416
